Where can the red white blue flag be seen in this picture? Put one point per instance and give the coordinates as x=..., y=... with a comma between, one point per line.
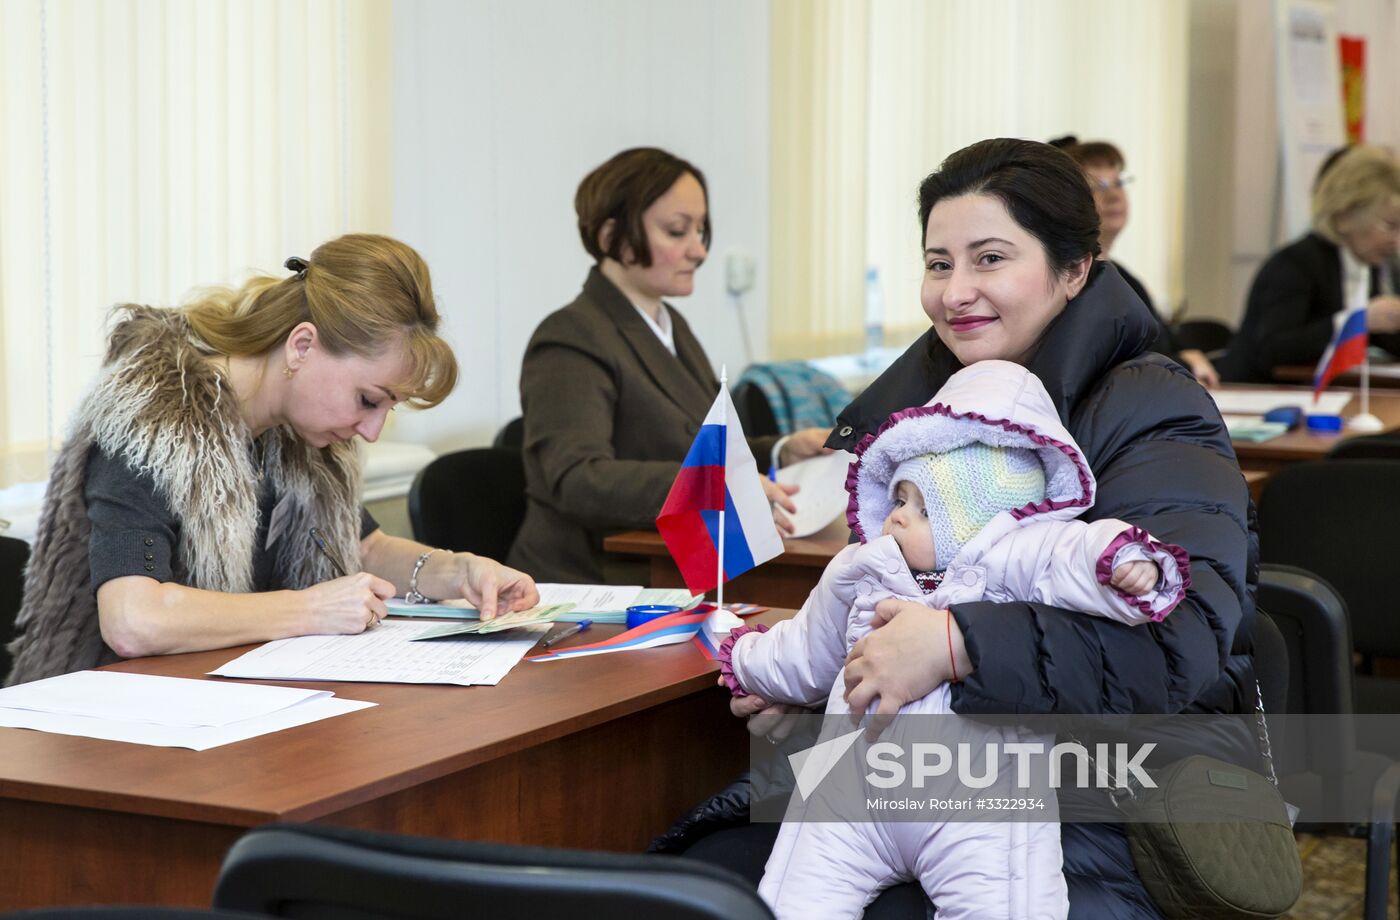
x=718, y=473
x=1346, y=350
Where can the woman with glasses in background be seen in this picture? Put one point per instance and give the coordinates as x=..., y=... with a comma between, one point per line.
x=1299, y=295
x=1103, y=164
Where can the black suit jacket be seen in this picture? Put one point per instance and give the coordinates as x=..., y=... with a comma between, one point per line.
x=609, y=415
x=1288, y=317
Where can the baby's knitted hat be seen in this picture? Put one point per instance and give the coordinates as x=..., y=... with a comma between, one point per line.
x=966, y=487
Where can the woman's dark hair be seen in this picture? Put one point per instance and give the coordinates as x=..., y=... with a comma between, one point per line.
x=1041, y=187
x=1090, y=153
x=621, y=190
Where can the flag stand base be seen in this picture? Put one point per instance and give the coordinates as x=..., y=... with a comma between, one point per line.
x=1365, y=422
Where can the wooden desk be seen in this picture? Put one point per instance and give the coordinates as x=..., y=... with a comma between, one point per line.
x=601, y=752
x=782, y=582
x=1300, y=444
x=1255, y=479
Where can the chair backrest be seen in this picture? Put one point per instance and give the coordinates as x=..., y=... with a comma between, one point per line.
x=1311, y=622
x=1372, y=447
x=1334, y=519
x=315, y=871
x=14, y=556
x=755, y=412
x=470, y=501
x=512, y=434
x=1205, y=335
x=799, y=395
x=126, y=912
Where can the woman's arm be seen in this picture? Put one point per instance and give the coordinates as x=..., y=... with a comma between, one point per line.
x=140, y=616
x=1170, y=470
x=485, y=583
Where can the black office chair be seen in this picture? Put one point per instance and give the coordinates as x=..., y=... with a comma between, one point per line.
x=334, y=873
x=14, y=556
x=1335, y=519
x=1321, y=767
x=755, y=412
x=127, y=912
x=470, y=501
x=1372, y=447
x=512, y=434
x=1207, y=335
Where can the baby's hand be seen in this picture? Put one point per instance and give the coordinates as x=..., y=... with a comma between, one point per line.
x=1136, y=578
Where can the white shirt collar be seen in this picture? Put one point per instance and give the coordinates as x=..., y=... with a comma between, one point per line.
x=1355, y=275
x=661, y=326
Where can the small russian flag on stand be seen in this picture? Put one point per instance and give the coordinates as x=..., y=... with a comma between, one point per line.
x=717, y=505
x=1346, y=350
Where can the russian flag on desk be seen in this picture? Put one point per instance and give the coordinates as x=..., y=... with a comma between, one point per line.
x=718, y=472
x=1346, y=350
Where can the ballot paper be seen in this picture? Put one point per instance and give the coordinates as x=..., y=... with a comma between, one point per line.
x=149, y=698
x=163, y=711
x=1257, y=402
x=516, y=619
x=822, y=495
x=599, y=603
x=387, y=654
x=1252, y=428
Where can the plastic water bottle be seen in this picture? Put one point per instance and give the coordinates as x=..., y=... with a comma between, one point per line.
x=874, y=315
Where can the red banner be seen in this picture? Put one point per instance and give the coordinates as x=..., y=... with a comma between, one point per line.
x=1354, y=86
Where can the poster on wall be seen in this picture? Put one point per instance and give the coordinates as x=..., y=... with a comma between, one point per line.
x=1353, y=53
x=1310, y=120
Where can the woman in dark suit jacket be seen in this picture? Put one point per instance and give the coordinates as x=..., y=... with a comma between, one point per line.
x=614, y=386
x=1299, y=293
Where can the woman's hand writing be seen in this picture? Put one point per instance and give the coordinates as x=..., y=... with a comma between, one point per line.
x=1201, y=367
x=347, y=605
x=1383, y=314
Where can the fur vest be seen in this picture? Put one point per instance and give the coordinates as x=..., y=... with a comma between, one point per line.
x=166, y=410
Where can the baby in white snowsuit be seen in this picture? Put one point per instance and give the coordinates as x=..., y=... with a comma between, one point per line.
x=974, y=497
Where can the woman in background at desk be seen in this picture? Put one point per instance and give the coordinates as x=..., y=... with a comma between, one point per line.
x=178, y=513
x=1103, y=164
x=1300, y=294
x=614, y=386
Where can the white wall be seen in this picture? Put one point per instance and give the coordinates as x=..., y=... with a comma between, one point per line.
x=502, y=106
x=1252, y=159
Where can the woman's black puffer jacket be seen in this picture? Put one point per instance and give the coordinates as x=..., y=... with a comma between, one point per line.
x=1164, y=462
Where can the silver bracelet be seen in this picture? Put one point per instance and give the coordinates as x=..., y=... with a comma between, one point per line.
x=413, y=595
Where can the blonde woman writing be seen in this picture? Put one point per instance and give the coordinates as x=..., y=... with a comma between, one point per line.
x=219, y=434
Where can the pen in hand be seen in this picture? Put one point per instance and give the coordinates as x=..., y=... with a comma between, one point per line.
x=574, y=630
x=320, y=542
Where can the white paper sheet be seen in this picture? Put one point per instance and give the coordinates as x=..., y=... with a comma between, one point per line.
x=173, y=701
x=196, y=738
x=1257, y=402
x=387, y=654
x=823, y=496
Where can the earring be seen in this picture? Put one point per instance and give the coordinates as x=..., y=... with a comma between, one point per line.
x=288, y=372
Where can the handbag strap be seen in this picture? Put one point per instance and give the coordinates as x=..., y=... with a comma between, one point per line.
x=1117, y=794
x=1261, y=733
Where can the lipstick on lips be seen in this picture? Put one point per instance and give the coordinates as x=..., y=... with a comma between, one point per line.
x=969, y=323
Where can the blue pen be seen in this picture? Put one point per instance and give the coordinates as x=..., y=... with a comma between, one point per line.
x=773, y=473
x=574, y=630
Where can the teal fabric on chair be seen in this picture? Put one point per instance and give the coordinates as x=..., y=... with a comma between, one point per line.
x=799, y=396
